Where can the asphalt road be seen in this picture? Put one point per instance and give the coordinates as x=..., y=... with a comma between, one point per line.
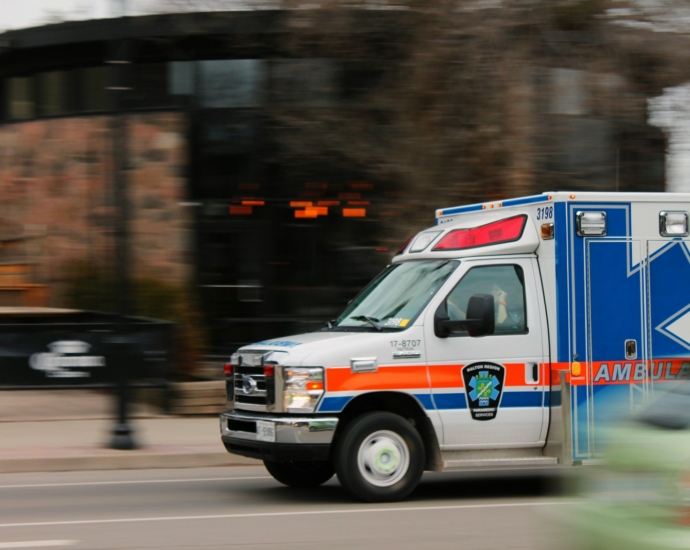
x=242, y=507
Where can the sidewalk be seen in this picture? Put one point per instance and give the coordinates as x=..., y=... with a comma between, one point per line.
x=59, y=430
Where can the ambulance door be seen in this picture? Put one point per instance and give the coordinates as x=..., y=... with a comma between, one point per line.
x=489, y=391
x=669, y=311
x=616, y=369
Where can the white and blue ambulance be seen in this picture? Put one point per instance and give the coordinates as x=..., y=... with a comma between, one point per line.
x=508, y=334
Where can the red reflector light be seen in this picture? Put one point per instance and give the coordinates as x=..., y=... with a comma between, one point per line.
x=269, y=370
x=503, y=231
x=228, y=369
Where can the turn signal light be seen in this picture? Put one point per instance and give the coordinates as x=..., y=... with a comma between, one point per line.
x=547, y=231
x=314, y=386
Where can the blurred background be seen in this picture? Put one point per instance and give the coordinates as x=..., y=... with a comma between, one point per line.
x=270, y=158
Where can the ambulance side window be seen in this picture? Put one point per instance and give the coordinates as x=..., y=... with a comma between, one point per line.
x=506, y=284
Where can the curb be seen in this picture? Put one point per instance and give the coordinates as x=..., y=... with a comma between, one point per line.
x=123, y=460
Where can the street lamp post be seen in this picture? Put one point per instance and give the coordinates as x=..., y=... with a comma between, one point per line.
x=121, y=351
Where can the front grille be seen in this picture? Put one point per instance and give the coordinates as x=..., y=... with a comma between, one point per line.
x=251, y=399
x=251, y=388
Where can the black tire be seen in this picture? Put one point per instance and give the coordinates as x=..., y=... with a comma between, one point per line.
x=300, y=474
x=379, y=457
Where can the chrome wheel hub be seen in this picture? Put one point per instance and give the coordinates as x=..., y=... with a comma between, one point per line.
x=383, y=458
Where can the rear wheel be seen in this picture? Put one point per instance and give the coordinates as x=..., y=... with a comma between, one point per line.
x=380, y=457
x=300, y=474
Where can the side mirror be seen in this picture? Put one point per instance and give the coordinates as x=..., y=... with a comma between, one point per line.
x=480, y=318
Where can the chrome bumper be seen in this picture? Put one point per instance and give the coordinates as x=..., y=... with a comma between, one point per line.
x=292, y=431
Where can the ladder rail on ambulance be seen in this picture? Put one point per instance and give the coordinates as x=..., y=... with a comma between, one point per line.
x=507, y=335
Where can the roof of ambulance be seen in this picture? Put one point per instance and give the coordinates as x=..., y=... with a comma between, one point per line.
x=566, y=196
x=474, y=215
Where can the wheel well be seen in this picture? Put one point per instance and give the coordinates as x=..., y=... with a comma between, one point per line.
x=401, y=404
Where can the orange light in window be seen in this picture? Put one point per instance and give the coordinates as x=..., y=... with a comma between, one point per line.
x=300, y=204
x=253, y=203
x=306, y=213
x=358, y=203
x=354, y=212
x=360, y=185
x=240, y=210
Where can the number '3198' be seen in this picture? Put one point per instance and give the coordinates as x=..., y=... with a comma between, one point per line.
x=545, y=213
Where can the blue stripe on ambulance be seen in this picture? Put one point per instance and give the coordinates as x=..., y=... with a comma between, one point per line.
x=509, y=202
x=449, y=401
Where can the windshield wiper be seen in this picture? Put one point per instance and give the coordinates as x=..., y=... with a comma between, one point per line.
x=373, y=321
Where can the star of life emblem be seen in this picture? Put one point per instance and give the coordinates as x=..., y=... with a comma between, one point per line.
x=483, y=387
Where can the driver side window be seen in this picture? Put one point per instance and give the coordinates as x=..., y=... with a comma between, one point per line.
x=506, y=284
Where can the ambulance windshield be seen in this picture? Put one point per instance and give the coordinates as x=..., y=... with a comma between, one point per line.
x=395, y=298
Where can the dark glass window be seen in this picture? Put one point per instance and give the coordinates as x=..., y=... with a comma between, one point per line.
x=181, y=78
x=56, y=93
x=93, y=92
x=231, y=83
x=359, y=79
x=21, y=98
x=149, y=83
x=505, y=283
x=228, y=152
x=304, y=82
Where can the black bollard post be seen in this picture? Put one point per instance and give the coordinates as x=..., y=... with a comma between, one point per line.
x=123, y=434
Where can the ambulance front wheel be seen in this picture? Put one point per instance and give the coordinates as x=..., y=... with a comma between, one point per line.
x=379, y=457
x=300, y=474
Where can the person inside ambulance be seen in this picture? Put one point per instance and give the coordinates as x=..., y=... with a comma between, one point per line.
x=504, y=283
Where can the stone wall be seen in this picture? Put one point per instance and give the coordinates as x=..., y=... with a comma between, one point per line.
x=56, y=196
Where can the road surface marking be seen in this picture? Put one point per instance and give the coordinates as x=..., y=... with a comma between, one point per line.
x=137, y=481
x=287, y=514
x=37, y=543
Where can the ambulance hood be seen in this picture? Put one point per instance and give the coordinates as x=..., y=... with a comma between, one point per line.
x=327, y=348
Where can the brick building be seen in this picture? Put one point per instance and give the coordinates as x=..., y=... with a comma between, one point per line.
x=272, y=237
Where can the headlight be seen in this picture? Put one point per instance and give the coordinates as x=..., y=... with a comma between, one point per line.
x=303, y=389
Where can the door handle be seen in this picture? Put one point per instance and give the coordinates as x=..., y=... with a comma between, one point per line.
x=630, y=349
x=531, y=373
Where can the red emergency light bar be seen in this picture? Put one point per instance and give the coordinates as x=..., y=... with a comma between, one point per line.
x=503, y=231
